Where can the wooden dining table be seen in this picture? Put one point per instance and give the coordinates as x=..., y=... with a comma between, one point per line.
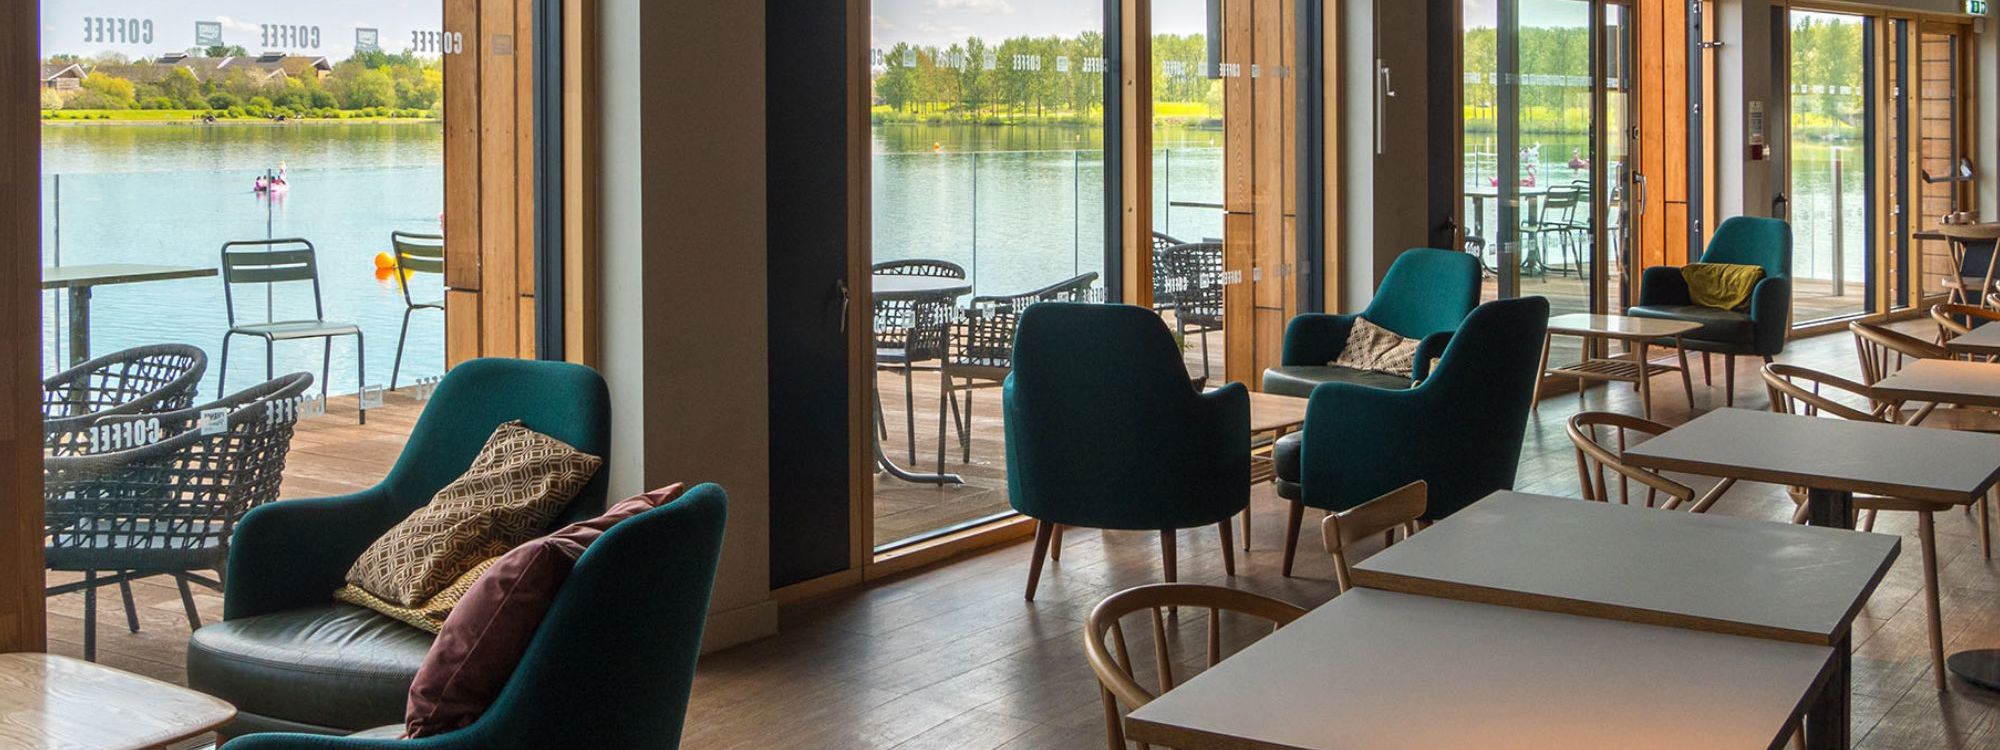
x=1716, y=574
x=1833, y=459
x=1965, y=384
x=1983, y=341
x=1380, y=669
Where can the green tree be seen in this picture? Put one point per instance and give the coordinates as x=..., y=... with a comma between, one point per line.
x=896, y=85
x=103, y=91
x=224, y=50
x=360, y=87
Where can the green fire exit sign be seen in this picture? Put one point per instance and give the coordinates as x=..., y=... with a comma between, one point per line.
x=1975, y=7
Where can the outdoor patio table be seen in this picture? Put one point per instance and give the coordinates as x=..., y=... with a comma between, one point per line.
x=1377, y=669
x=1833, y=459
x=888, y=288
x=80, y=280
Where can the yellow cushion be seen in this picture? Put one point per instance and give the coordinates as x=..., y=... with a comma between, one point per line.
x=429, y=616
x=1723, y=286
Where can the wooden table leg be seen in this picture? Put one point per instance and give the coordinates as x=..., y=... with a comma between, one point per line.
x=1828, y=715
x=1687, y=376
x=1540, y=373
x=1645, y=383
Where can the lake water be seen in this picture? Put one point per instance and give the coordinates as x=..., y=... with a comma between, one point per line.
x=173, y=194
x=1019, y=207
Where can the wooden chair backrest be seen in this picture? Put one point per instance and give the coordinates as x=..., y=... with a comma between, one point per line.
x=1883, y=351
x=1954, y=321
x=1110, y=654
x=1802, y=391
x=1588, y=430
x=1399, y=509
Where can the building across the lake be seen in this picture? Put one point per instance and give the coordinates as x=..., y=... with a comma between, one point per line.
x=272, y=67
x=62, y=77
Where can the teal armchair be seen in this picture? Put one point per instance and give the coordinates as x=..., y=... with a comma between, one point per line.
x=1760, y=331
x=287, y=655
x=613, y=663
x=1424, y=296
x=1105, y=432
x=1460, y=430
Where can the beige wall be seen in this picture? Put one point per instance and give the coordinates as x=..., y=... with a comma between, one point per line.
x=684, y=273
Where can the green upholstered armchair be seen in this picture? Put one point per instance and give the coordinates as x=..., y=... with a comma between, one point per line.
x=612, y=664
x=1759, y=331
x=1460, y=431
x=1424, y=296
x=1104, y=431
x=290, y=657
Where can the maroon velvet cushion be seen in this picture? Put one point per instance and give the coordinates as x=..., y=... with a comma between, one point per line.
x=487, y=634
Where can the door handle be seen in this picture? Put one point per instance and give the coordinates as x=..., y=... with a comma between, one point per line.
x=846, y=305
x=1639, y=184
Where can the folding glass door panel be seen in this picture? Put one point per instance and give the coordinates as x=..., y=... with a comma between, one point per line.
x=987, y=173
x=1830, y=160
x=1547, y=150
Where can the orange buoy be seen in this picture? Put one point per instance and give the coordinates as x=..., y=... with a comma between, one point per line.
x=384, y=261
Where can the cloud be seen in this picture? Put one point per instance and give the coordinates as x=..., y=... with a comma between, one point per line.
x=232, y=24
x=974, y=6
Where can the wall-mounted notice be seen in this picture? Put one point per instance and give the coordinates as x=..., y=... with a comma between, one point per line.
x=208, y=34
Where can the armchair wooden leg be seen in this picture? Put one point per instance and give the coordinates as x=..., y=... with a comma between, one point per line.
x=1729, y=380
x=1247, y=512
x=1707, y=370
x=1168, y=560
x=1296, y=517
x=1043, y=530
x=1228, y=548
x=1055, y=544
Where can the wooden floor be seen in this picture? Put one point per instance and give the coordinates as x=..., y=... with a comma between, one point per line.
x=951, y=657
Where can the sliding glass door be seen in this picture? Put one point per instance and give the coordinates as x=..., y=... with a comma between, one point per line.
x=1548, y=148
x=1831, y=163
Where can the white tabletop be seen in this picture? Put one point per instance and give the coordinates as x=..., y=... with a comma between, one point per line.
x=909, y=287
x=106, y=274
x=1712, y=573
x=1982, y=340
x=1839, y=455
x=1377, y=670
x=1944, y=381
x=1619, y=326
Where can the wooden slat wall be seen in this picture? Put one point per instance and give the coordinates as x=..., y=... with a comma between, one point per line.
x=1260, y=182
x=581, y=309
x=22, y=618
x=490, y=178
x=1136, y=149
x=1661, y=113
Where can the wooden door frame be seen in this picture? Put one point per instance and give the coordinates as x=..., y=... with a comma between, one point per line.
x=23, y=611
x=1132, y=107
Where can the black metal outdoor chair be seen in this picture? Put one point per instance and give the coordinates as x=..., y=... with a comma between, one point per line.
x=982, y=351
x=415, y=254
x=162, y=493
x=285, y=261
x=142, y=380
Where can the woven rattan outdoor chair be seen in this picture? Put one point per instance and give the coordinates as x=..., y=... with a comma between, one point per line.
x=1193, y=275
x=910, y=332
x=982, y=351
x=143, y=380
x=168, y=505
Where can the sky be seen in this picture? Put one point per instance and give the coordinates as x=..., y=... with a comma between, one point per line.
x=942, y=22
x=64, y=21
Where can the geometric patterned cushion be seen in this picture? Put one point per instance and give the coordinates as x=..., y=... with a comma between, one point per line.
x=1372, y=348
x=430, y=616
x=517, y=485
